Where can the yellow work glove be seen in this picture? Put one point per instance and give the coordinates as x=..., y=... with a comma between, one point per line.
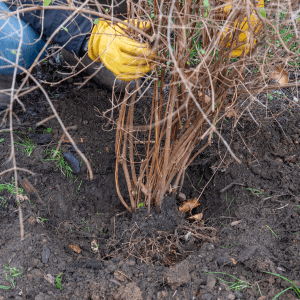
x=244, y=30
x=126, y=58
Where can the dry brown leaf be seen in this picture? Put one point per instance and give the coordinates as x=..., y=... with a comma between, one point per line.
x=106, y=149
x=230, y=112
x=280, y=75
x=234, y=223
x=206, y=98
x=65, y=139
x=49, y=278
x=197, y=217
x=189, y=205
x=22, y=197
x=234, y=262
x=75, y=248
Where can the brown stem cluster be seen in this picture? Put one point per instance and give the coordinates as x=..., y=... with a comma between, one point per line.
x=196, y=60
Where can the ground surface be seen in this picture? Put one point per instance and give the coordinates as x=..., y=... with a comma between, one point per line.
x=255, y=222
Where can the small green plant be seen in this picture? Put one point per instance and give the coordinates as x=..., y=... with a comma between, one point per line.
x=79, y=185
x=10, y=187
x=140, y=205
x=271, y=230
x=10, y=274
x=4, y=287
x=42, y=220
x=270, y=97
x=48, y=130
x=201, y=178
x=59, y=161
x=293, y=287
x=229, y=203
x=27, y=146
x=236, y=285
x=2, y=140
x=47, y=2
x=298, y=206
x=88, y=229
x=65, y=28
x=254, y=191
x=58, y=280
x=3, y=202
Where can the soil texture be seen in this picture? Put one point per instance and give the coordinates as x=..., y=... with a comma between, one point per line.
x=80, y=242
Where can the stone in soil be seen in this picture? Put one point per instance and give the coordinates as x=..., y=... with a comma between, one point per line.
x=72, y=162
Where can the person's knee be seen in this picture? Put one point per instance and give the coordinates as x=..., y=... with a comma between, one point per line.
x=10, y=36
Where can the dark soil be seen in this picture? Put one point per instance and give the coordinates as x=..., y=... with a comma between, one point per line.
x=251, y=228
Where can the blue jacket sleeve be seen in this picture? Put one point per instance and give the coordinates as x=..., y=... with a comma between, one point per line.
x=73, y=33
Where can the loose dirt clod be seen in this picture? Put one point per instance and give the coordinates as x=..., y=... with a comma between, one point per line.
x=181, y=197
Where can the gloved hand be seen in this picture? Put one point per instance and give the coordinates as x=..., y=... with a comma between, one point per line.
x=244, y=29
x=126, y=58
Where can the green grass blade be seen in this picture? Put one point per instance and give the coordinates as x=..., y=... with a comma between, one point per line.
x=4, y=287
x=295, y=288
x=289, y=288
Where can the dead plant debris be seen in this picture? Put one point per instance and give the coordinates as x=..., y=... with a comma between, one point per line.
x=281, y=76
x=189, y=205
x=75, y=248
x=197, y=217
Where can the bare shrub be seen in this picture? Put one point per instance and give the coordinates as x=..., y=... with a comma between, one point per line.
x=196, y=81
x=212, y=56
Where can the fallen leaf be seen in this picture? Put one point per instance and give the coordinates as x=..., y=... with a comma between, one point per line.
x=189, y=205
x=291, y=159
x=106, y=149
x=206, y=98
x=49, y=278
x=234, y=223
x=230, y=112
x=75, y=248
x=197, y=217
x=21, y=197
x=280, y=76
x=234, y=262
x=32, y=220
x=64, y=139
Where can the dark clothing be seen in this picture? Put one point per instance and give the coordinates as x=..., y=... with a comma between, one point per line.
x=75, y=30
